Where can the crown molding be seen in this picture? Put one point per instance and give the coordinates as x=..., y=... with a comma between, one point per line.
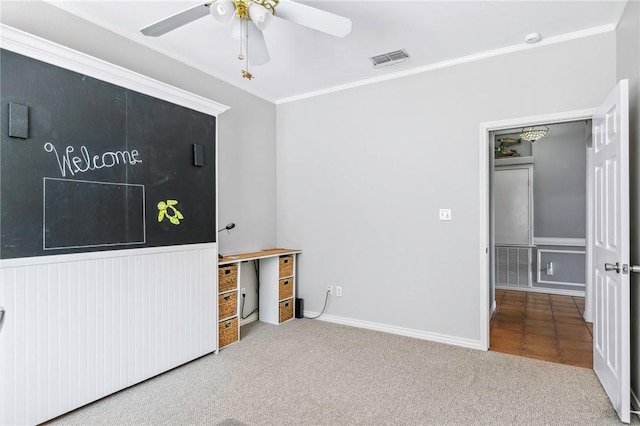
x=44, y=50
x=457, y=61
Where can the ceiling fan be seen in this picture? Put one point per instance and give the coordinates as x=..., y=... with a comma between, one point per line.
x=250, y=18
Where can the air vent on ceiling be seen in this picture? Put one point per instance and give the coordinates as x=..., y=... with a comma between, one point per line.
x=390, y=58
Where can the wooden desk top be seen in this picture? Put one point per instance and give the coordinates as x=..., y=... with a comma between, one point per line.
x=242, y=257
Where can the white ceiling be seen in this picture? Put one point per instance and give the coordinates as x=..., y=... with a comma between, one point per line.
x=304, y=61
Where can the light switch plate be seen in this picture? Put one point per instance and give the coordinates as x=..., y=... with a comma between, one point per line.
x=445, y=214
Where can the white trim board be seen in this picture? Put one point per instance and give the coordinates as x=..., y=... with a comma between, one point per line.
x=569, y=242
x=107, y=254
x=539, y=253
x=47, y=51
x=401, y=331
x=483, y=191
x=248, y=320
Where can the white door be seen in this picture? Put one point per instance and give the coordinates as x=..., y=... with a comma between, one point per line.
x=610, y=168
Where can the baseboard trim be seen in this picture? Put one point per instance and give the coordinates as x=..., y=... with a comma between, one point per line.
x=577, y=293
x=402, y=331
x=251, y=318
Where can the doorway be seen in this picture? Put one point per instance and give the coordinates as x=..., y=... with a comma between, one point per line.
x=567, y=299
x=538, y=193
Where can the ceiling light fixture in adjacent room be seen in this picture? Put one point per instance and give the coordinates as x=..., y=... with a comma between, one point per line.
x=532, y=134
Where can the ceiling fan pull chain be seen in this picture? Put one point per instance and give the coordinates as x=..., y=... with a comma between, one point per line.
x=241, y=54
x=245, y=36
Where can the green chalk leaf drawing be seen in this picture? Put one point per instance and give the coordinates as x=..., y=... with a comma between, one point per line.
x=167, y=209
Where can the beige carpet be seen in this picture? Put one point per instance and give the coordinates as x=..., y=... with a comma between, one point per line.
x=307, y=372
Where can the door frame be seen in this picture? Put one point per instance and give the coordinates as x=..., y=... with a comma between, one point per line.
x=486, y=149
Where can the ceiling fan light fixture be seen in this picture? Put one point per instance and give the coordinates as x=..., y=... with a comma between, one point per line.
x=222, y=11
x=242, y=9
x=250, y=17
x=260, y=16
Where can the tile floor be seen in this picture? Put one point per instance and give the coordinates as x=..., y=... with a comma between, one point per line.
x=543, y=326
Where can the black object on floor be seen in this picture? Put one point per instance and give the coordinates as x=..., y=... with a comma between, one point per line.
x=299, y=308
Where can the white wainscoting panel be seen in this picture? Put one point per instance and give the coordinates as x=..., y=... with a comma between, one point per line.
x=78, y=330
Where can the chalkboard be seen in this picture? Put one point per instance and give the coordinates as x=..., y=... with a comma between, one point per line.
x=101, y=167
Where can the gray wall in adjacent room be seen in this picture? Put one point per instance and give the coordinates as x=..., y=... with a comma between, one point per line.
x=559, y=182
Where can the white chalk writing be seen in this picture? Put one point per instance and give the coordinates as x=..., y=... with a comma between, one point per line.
x=85, y=162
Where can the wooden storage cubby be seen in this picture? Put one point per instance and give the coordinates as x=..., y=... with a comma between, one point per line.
x=277, y=289
x=227, y=305
x=227, y=278
x=285, y=311
x=285, y=266
x=285, y=288
x=228, y=330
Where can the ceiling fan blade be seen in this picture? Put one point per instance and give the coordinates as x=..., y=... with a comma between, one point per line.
x=257, y=49
x=311, y=17
x=177, y=20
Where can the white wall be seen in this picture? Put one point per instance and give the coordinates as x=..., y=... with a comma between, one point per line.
x=246, y=171
x=628, y=66
x=362, y=173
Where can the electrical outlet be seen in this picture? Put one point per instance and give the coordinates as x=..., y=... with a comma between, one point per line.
x=243, y=291
x=330, y=290
x=338, y=291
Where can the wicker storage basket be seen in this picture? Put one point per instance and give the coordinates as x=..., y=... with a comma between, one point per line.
x=285, y=288
x=286, y=310
x=227, y=304
x=286, y=266
x=227, y=278
x=227, y=332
